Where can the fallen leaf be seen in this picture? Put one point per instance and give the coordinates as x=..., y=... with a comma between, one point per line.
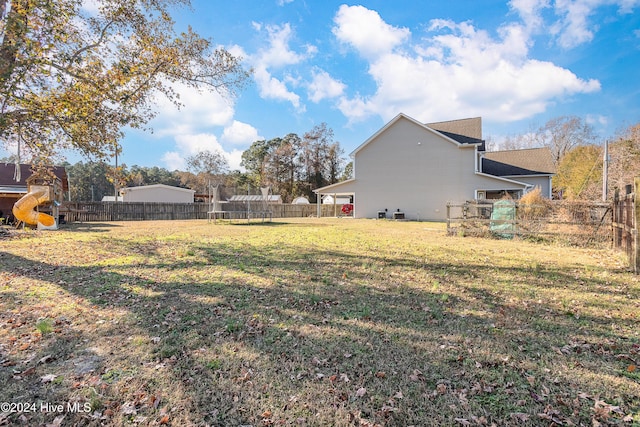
x=266, y=414
x=48, y=378
x=344, y=377
x=48, y=358
x=361, y=392
x=380, y=374
x=29, y=371
x=416, y=375
x=398, y=395
x=631, y=368
x=164, y=419
x=520, y=416
x=129, y=408
x=57, y=422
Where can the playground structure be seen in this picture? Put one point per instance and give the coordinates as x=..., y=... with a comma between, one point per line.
x=44, y=192
x=249, y=206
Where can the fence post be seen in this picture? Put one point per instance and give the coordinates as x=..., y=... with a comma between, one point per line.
x=636, y=224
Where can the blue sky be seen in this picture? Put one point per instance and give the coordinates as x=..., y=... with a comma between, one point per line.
x=357, y=65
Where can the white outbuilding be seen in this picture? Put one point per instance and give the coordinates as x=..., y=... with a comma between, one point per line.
x=158, y=193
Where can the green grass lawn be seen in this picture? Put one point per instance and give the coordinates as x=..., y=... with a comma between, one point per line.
x=313, y=322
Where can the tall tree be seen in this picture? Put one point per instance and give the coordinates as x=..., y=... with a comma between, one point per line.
x=280, y=166
x=205, y=169
x=624, y=154
x=89, y=181
x=562, y=134
x=142, y=175
x=74, y=80
x=254, y=159
x=319, y=159
x=579, y=174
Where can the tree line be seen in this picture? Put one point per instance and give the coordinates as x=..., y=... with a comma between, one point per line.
x=294, y=165
x=291, y=165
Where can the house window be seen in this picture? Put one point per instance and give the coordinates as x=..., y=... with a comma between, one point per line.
x=481, y=195
x=499, y=194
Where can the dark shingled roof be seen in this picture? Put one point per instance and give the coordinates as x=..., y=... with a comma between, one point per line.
x=468, y=127
x=532, y=161
x=464, y=131
x=462, y=139
x=7, y=171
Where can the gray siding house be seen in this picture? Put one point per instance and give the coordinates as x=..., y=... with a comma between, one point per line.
x=417, y=168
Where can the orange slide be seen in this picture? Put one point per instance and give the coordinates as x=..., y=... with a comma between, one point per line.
x=23, y=209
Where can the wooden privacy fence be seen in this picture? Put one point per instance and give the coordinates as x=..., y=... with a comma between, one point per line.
x=134, y=211
x=572, y=222
x=626, y=218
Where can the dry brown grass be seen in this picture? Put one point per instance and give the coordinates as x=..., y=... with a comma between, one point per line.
x=314, y=322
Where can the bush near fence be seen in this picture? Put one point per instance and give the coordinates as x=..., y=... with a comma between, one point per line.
x=558, y=220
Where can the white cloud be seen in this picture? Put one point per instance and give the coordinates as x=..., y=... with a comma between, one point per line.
x=189, y=145
x=201, y=109
x=324, y=86
x=598, y=119
x=460, y=71
x=365, y=30
x=174, y=161
x=196, y=143
x=235, y=158
x=573, y=25
x=277, y=55
x=272, y=88
x=240, y=133
x=530, y=11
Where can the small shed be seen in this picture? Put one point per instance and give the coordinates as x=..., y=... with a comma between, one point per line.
x=300, y=201
x=111, y=199
x=159, y=193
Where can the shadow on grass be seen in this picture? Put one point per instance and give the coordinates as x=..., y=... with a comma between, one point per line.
x=88, y=226
x=241, y=334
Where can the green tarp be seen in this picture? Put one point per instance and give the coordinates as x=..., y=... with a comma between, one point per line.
x=503, y=218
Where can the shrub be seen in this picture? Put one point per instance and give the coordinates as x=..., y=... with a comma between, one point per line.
x=533, y=205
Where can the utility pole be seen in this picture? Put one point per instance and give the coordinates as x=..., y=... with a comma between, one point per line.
x=605, y=171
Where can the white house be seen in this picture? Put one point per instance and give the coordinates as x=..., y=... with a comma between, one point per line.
x=157, y=193
x=417, y=168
